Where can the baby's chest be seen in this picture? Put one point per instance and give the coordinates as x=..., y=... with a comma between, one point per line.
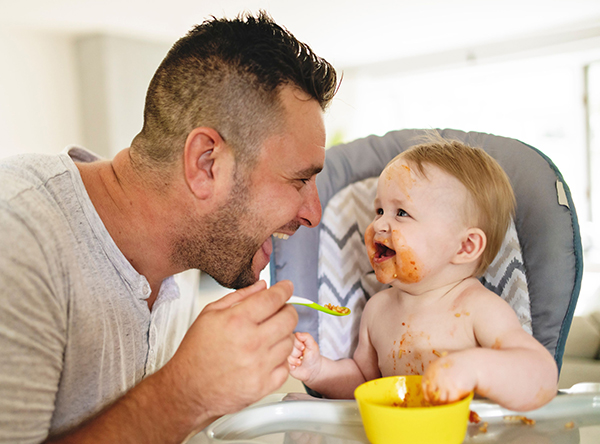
x=408, y=348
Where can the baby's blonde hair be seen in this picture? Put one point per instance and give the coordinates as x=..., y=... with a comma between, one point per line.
x=485, y=180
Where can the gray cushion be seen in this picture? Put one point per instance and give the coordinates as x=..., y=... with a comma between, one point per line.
x=546, y=224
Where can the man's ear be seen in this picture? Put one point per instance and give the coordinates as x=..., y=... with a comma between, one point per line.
x=472, y=246
x=202, y=147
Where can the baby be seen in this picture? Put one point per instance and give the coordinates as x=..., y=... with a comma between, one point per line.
x=441, y=212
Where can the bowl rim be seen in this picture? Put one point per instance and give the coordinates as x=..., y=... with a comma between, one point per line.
x=466, y=399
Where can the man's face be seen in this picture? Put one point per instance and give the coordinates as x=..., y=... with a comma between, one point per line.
x=279, y=195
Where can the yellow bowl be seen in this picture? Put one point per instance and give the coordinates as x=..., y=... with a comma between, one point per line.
x=388, y=419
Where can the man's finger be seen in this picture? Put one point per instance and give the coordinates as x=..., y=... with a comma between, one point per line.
x=237, y=296
x=278, y=326
x=264, y=304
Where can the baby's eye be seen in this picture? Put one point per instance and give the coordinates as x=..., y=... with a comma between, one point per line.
x=402, y=213
x=379, y=211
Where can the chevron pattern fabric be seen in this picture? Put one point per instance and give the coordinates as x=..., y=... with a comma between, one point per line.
x=346, y=278
x=506, y=276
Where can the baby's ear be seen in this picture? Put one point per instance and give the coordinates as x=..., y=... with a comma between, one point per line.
x=472, y=246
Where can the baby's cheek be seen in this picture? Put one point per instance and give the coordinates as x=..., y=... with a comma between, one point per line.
x=369, y=235
x=409, y=268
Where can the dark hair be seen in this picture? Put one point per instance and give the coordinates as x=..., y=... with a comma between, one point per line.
x=226, y=74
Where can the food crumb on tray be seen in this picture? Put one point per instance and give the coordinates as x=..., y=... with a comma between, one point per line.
x=474, y=417
x=517, y=418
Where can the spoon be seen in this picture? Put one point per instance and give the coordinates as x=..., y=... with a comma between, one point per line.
x=308, y=303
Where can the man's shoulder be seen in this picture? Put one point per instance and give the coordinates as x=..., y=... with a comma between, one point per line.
x=25, y=172
x=33, y=170
x=35, y=195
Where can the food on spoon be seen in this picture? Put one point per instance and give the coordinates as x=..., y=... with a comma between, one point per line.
x=337, y=308
x=483, y=428
x=570, y=425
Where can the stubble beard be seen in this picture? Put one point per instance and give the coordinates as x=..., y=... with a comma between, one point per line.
x=218, y=244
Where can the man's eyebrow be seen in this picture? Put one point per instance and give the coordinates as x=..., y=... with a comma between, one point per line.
x=309, y=172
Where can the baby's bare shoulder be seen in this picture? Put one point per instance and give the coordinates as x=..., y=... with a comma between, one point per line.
x=381, y=300
x=489, y=311
x=476, y=295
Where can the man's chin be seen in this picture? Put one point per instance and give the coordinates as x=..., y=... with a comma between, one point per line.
x=243, y=280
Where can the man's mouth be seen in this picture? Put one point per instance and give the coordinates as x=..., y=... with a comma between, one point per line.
x=382, y=252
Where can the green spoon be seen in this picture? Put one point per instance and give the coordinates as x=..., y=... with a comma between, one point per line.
x=308, y=303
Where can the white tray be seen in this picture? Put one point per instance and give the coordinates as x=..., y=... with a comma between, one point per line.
x=307, y=420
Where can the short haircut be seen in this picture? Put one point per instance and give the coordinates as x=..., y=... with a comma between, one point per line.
x=227, y=74
x=485, y=180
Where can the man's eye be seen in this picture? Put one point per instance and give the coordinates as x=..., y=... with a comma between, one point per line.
x=402, y=213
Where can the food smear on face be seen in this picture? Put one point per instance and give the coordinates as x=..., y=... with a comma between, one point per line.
x=403, y=264
x=337, y=308
x=400, y=174
x=409, y=267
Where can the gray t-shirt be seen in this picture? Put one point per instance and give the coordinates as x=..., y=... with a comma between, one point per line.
x=75, y=329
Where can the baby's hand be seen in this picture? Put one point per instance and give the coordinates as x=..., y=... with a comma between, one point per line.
x=305, y=359
x=446, y=380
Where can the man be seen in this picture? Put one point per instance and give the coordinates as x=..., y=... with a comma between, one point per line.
x=232, y=141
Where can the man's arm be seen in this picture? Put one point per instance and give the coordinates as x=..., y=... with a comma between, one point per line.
x=234, y=354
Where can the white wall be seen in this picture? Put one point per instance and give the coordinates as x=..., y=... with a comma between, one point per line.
x=115, y=73
x=39, y=98
x=537, y=97
x=58, y=89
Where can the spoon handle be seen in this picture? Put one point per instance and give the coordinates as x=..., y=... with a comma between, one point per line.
x=296, y=300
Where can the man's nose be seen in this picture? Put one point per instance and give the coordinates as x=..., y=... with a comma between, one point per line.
x=310, y=211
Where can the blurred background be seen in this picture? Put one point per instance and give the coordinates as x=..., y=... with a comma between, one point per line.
x=76, y=72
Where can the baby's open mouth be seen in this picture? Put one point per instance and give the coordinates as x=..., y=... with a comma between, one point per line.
x=382, y=252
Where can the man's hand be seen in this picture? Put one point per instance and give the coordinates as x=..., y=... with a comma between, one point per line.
x=236, y=351
x=233, y=354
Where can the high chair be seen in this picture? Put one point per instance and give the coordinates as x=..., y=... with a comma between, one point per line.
x=538, y=270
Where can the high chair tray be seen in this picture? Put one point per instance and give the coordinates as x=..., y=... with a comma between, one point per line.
x=296, y=418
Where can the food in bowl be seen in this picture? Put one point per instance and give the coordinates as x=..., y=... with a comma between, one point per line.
x=393, y=410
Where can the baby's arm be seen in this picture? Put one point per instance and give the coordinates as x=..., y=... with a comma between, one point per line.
x=334, y=379
x=511, y=368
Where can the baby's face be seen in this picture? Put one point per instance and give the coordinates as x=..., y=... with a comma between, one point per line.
x=418, y=225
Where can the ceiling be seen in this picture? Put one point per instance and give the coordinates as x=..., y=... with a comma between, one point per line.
x=346, y=32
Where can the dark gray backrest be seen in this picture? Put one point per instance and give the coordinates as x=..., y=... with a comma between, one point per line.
x=546, y=224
